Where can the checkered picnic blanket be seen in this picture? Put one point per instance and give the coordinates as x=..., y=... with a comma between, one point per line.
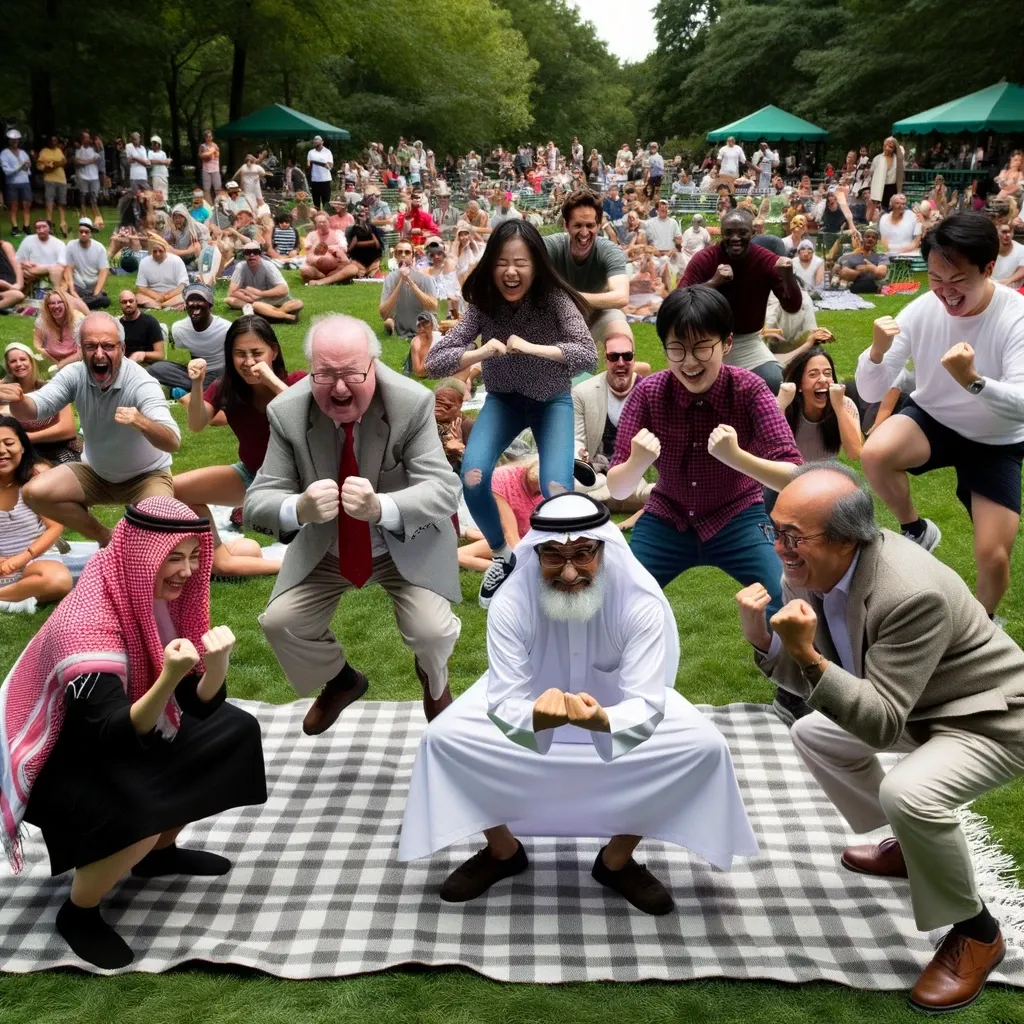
x=316, y=890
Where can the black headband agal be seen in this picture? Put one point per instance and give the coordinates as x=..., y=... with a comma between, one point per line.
x=160, y=524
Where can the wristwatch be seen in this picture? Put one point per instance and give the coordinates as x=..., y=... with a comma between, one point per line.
x=976, y=386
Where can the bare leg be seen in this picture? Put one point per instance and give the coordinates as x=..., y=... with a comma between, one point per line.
x=78, y=304
x=618, y=851
x=10, y=297
x=145, y=302
x=897, y=445
x=57, y=494
x=95, y=880
x=167, y=838
x=47, y=581
x=279, y=313
x=241, y=556
x=501, y=842
x=345, y=273
x=995, y=529
x=475, y=556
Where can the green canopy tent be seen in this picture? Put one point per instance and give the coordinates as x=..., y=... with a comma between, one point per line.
x=279, y=122
x=773, y=125
x=998, y=109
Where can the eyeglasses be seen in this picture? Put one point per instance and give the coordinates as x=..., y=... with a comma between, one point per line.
x=614, y=357
x=702, y=351
x=580, y=558
x=790, y=541
x=348, y=376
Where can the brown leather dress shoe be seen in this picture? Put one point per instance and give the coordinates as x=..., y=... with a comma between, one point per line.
x=330, y=703
x=636, y=883
x=474, y=877
x=885, y=859
x=431, y=708
x=957, y=973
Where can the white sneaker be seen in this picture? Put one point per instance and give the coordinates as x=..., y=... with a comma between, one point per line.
x=247, y=309
x=26, y=607
x=929, y=540
x=499, y=571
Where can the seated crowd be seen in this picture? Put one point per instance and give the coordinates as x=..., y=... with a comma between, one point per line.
x=725, y=457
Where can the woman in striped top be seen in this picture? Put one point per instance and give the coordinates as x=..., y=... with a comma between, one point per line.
x=27, y=575
x=535, y=339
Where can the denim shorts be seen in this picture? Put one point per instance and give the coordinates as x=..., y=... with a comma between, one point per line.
x=247, y=477
x=20, y=192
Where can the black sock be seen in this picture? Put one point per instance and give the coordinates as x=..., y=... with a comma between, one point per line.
x=983, y=927
x=91, y=937
x=345, y=679
x=915, y=529
x=172, y=860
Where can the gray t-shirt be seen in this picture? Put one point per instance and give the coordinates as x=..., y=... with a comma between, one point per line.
x=86, y=264
x=208, y=344
x=264, y=277
x=864, y=282
x=408, y=306
x=165, y=276
x=115, y=452
x=604, y=260
x=662, y=234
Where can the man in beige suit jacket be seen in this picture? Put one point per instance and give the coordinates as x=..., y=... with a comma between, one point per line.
x=402, y=487
x=894, y=653
x=597, y=403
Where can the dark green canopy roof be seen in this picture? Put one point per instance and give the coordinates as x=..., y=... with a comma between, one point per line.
x=999, y=108
x=772, y=124
x=279, y=122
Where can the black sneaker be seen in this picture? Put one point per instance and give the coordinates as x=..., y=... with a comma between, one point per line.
x=499, y=571
x=789, y=707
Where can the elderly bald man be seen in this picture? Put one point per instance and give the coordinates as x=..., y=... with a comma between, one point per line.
x=893, y=652
x=356, y=481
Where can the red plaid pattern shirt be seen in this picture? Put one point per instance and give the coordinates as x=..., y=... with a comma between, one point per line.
x=694, y=490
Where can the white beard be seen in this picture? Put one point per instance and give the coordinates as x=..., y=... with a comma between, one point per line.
x=574, y=606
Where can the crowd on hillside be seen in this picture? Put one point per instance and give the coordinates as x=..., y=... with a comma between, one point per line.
x=722, y=455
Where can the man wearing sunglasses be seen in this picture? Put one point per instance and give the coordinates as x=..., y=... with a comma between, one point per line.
x=893, y=653
x=576, y=728
x=406, y=293
x=356, y=482
x=598, y=403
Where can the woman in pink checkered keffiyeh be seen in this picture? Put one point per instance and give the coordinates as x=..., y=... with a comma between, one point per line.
x=114, y=731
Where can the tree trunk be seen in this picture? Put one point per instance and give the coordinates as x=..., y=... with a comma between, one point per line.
x=236, y=100
x=174, y=147
x=43, y=116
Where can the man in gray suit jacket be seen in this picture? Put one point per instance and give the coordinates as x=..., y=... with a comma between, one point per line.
x=893, y=652
x=597, y=404
x=356, y=481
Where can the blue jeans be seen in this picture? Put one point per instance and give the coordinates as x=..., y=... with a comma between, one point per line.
x=740, y=548
x=501, y=420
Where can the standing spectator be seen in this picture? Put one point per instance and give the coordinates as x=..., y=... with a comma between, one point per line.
x=731, y=158
x=1009, y=268
x=406, y=293
x=655, y=168
x=17, y=165
x=87, y=178
x=251, y=174
x=143, y=336
x=162, y=278
x=52, y=161
x=320, y=170
x=900, y=231
x=886, y=177
x=764, y=161
x=138, y=163
x=12, y=278
x=258, y=284
x=86, y=272
x=159, y=167
x=209, y=161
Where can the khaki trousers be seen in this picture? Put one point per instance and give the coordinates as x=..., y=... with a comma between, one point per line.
x=297, y=624
x=917, y=798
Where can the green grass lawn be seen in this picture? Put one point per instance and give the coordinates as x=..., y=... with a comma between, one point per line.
x=716, y=668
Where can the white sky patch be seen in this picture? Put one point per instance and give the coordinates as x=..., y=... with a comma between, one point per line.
x=627, y=28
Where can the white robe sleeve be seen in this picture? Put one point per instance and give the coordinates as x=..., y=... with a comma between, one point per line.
x=510, y=697
x=642, y=680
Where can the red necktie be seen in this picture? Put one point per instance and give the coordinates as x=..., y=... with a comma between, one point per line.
x=355, y=554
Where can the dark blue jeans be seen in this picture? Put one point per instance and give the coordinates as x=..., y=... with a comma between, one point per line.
x=501, y=420
x=740, y=548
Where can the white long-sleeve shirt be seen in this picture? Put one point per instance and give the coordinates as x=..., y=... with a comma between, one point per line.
x=618, y=657
x=995, y=415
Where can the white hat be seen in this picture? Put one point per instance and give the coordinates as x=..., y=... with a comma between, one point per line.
x=85, y=222
x=317, y=138
x=231, y=185
x=156, y=139
x=13, y=133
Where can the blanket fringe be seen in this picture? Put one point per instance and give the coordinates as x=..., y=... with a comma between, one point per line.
x=995, y=873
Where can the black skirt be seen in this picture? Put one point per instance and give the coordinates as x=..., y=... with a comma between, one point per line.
x=104, y=787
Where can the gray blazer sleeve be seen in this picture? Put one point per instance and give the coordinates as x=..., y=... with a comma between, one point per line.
x=277, y=479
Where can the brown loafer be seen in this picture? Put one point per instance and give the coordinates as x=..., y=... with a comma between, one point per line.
x=957, y=973
x=636, y=883
x=474, y=877
x=431, y=708
x=330, y=703
x=885, y=859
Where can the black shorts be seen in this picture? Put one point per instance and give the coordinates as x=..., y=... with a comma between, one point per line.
x=991, y=470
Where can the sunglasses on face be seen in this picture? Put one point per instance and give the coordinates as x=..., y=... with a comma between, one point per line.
x=614, y=357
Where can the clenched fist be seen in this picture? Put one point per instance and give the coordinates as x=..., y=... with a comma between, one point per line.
x=787, y=392
x=821, y=336
x=517, y=344
x=180, y=657
x=784, y=265
x=359, y=500
x=218, y=644
x=493, y=348
x=836, y=394
x=959, y=364
x=795, y=623
x=753, y=601
x=884, y=333
x=549, y=710
x=11, y=393
x=127, y=416
x=724, y=444
x=319, y=502
x=196, y=369
x=645, y=448
x=584, y=711
x=723, y=272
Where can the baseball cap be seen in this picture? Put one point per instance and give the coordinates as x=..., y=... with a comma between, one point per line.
x=198, y=192
x=85, y=222
x=231, y=185
x=156, y=139
x=434, y=245
x=252, y=246
x=317, y=138
x=423, y=317
x=200, y=290
x=806, y=243
x=13, y=133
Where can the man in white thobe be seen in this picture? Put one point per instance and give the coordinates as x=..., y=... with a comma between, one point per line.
x=576, y=728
